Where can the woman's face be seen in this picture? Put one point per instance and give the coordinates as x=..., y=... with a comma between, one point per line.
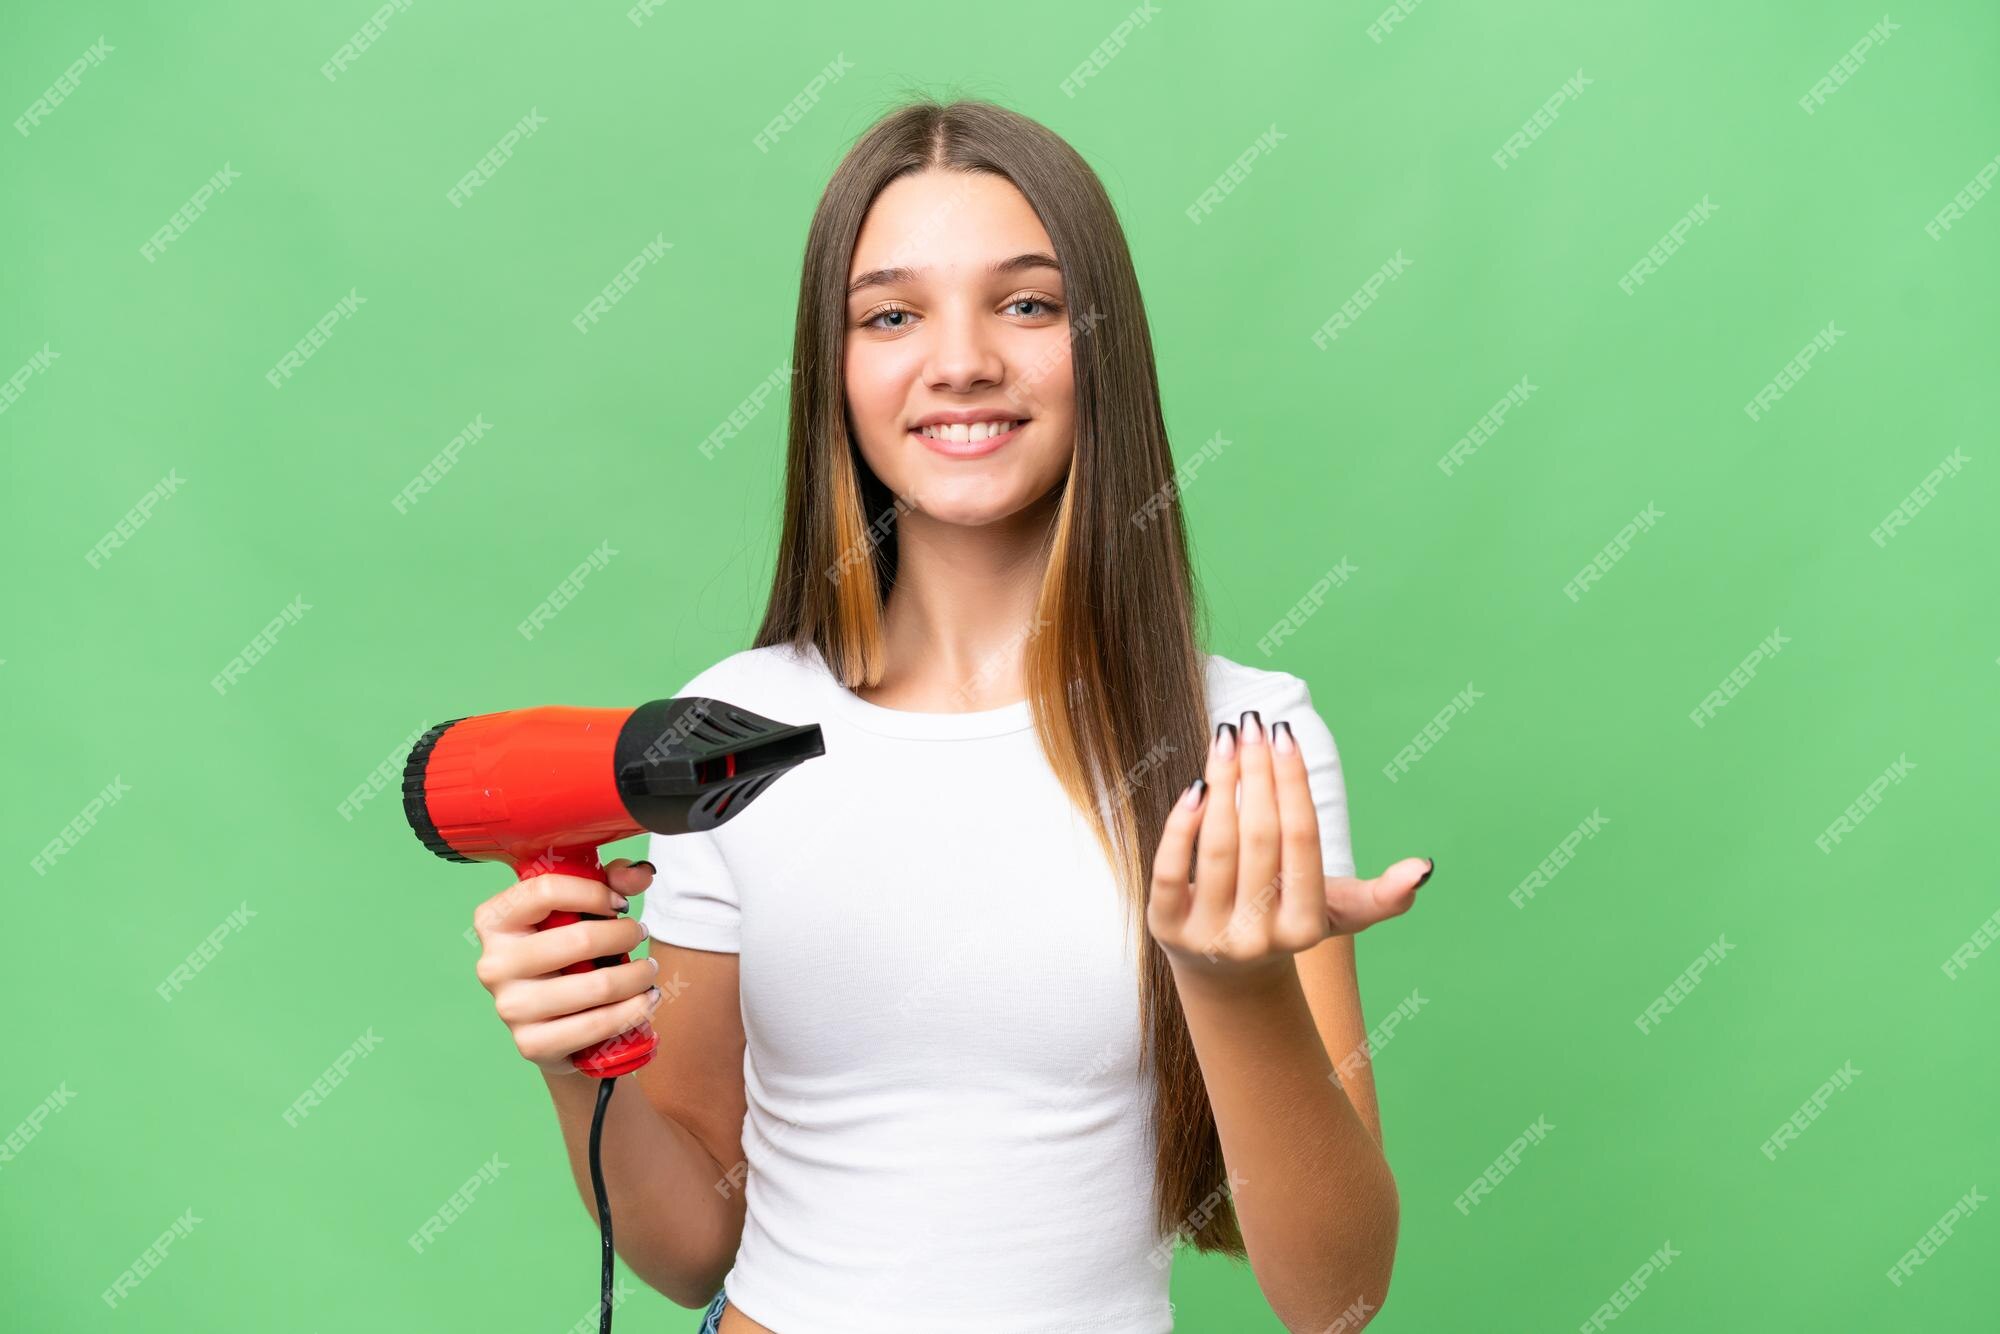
x=956, y=309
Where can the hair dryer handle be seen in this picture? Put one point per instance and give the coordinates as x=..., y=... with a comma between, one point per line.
x=624, y=1052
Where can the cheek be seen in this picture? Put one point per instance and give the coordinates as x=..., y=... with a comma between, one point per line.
x=1055, y=393
x=1053, y=463
x=1055, y=388
x=877, y=386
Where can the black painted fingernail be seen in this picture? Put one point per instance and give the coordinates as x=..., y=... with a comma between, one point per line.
x=1283, y=729
x=1427, y=874
x=1195, y=790
x=1225, y=738
x=648, y=865
x=1253, y=725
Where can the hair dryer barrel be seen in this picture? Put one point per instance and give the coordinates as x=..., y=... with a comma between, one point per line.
x=543, y=788
x=510, y=786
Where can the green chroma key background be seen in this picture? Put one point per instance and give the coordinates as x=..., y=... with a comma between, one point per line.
x=134, y=1103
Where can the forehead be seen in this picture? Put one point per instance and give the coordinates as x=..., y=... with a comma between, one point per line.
x=956, y=223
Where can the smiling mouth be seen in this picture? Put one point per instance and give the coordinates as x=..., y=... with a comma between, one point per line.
x=969, y=441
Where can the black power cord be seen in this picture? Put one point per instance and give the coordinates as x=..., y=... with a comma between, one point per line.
x=604, y=1087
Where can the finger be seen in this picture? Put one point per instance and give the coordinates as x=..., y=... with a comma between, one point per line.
x=1301, y=916
x=572, y=1033
x=518, y=908
x=557, y=948
x=529, y=1000
x=1353, y=905
x=1257, y=822
x=1215, y=844
x=630, y=878
x=1396, y=888
x=1167, y=904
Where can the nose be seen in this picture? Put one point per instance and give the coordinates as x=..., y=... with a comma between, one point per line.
x=964, y=354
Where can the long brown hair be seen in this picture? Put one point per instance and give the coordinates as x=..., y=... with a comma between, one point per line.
x=1112, y=665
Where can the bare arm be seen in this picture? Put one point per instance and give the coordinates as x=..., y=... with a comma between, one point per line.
x=670, y=1222
x=1333, y=990
x=670, y=1151
x=1312, y=1191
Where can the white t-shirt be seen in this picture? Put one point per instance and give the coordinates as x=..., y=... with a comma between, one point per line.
x=946, y=1125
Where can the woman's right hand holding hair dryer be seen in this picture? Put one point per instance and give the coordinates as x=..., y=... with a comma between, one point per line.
x=552, y=1013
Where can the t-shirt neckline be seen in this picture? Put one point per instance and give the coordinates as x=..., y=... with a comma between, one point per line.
x=932, y=726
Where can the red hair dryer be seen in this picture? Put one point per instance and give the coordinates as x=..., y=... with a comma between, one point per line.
x=542, y=788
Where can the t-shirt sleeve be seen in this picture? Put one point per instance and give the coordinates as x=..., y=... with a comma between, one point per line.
x=693, y=898
x=1290, y=699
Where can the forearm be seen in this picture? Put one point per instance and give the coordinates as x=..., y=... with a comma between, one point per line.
x=670, y=1220
x=1313, y=1193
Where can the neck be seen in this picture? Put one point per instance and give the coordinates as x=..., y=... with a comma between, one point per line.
x=961, y=609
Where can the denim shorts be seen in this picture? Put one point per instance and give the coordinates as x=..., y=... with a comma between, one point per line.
x=711, y=1319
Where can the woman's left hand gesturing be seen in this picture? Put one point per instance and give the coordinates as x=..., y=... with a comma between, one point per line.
x=1259, y=893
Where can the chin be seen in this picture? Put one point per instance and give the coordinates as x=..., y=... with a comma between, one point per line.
x=969, y=503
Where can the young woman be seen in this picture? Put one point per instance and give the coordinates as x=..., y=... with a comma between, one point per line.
x=1046, y=965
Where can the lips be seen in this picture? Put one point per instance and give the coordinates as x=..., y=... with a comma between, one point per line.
x=968, y=449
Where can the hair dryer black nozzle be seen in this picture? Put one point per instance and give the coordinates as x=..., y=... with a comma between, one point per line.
x=690, y=763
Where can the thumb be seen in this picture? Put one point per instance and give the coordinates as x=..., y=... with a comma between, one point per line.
x=1395, y=890
x=1411, y=872
x=628, y=877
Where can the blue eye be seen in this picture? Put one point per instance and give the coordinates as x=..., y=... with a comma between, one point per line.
x=873, y=321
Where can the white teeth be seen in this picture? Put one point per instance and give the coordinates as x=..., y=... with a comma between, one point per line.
x=963, y=434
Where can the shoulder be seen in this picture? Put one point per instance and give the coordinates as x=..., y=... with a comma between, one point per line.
x=1234, y=687
x=757, y=676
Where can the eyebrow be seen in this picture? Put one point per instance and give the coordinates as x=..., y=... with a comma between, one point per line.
x=901, y=274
